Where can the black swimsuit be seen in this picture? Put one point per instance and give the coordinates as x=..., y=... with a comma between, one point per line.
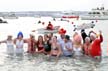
x=47, y=46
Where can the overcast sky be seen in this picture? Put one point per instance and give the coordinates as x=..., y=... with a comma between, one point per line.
x=53, y=5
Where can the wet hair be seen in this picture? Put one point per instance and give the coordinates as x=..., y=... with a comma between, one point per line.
x=67, y=37
x=87, y=38
x=82, y=30
x=38, y=39
x=49, y=21
x=9, y=36
x=46, y=35
x=55, y=36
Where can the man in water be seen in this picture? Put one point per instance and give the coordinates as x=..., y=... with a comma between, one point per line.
x=50, y=26
x=95, y=50
x=67, y=48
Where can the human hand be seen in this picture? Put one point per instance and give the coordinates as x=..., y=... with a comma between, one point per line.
x=100, y=32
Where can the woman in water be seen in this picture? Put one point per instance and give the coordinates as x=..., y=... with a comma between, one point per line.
x=10, y=45
x=77, y=46
x=19, y=42
x=40, y=44
x=86, y=46
x=47, y=44
x=31, y=44
x=55, y=47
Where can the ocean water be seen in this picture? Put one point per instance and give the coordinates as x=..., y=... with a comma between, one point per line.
x=40, y=62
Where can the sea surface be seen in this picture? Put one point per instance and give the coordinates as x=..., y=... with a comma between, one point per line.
x=40, y=62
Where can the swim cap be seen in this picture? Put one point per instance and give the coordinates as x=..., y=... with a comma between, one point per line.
x=20, y=33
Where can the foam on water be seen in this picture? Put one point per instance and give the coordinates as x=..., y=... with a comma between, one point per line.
x=40, y=62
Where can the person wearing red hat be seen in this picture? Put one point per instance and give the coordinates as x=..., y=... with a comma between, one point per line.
x=62, y=35
x=65, y=43
x=62, y=31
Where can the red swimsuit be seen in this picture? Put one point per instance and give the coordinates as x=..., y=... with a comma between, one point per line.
x=40, y=47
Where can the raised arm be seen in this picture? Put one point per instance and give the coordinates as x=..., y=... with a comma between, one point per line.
x=4, y=41
x=101, y=37
x=14, y=41
x=25, y=40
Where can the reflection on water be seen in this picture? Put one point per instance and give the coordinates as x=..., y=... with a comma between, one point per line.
x=37, y=62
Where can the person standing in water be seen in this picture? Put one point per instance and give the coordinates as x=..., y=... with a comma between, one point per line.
x=47, y=44
x=40, y=45
x=86, y=46
x=77, y=46
x=31, y=44
x=68, y=46
x=10, y=45
x=50, y=35
x=84, y=35
x=62, y=33
x=95, y=50
x=55, y=48
x=19, y=42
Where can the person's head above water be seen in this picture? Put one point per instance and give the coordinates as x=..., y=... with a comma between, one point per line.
x=20, y=35
x=87, y=40
x=67, y=38
x=92, y=36
x=77, y=38
x=54, y=39
x=62, y=33
x=9, y=37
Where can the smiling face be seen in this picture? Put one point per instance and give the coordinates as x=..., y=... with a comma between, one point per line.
x=54, y=39
x=20, y=37
x=31, y=36
x=45, y=37
x=40, y=39
x=87, y=40
x=9, y=37
x=62, y=36
x=92, y=36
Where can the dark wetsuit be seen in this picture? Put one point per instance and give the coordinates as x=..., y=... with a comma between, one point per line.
x=47, y=46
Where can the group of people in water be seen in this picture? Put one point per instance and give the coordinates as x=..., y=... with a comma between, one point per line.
x=49, y=44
